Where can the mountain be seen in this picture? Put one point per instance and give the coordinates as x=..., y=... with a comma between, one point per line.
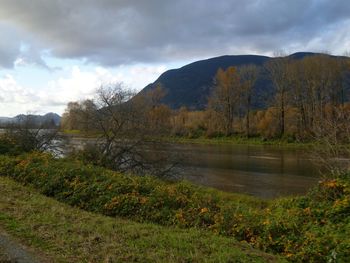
x=5, y=119
x=191, y=85
x=47, y=119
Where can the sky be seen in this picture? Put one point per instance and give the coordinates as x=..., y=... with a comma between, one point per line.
x=54, y=51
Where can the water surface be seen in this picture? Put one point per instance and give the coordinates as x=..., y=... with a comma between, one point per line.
x=263, y=171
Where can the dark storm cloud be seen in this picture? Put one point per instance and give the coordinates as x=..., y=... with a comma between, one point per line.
x=9, y=47
x=131, y=31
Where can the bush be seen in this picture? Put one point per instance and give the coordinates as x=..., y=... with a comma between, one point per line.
x=8, y=146
x=312, y=228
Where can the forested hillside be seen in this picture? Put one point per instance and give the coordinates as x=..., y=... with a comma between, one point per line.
x=191, y=85
x=301, y=96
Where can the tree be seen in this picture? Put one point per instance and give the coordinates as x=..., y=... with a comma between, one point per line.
x=333, y=139
x=298, y=95
x=159, y=119
x=225, y=97
x=87, y=111
x=159, y=114
x=27, y=136
x=278, y=70
x=78, y=114
x=155, y=96
x=71, y=116
x=125, y=143
x=323, y=79
x=248, y=75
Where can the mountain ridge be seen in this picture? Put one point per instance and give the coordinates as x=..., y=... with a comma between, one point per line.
x=190, y=85
x=50, y=117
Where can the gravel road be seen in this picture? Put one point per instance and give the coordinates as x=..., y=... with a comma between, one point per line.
x=12, y=252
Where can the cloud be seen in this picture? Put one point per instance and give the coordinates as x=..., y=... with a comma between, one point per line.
x=9, y=46
x=134, y=41
x=80, y=85
x=77, y=85
x=18, y=48
x=115, y=32
x=15, y=99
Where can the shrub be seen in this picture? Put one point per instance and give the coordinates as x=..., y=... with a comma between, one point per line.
x=7, y=146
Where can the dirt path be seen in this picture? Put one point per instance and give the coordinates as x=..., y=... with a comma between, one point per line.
x=12, y=252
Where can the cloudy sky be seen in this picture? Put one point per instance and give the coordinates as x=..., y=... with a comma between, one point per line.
x=56, y=51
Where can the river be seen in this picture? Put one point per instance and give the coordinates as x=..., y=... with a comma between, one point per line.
x=262, y=171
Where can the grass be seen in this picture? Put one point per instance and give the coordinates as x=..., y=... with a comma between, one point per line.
x=235, y=139
x=4, y=258
x=60, y=233
x=79, y=133
x=239, y=140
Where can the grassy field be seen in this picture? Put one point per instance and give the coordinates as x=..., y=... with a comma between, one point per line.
x=59, y=233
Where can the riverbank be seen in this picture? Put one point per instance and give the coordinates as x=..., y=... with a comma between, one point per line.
x=239, y=140
x=236, y=139
x=310, y=228
x=60, y=233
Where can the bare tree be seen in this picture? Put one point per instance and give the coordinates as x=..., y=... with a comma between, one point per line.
x=125, y=143
x=29, y=136
x=332, y=128
x=333, y=140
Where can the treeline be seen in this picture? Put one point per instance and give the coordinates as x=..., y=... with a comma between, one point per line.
x=309, y=98
x=121, y=112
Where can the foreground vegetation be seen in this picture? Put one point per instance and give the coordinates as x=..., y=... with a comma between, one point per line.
x=312, y=228
x=60, y=233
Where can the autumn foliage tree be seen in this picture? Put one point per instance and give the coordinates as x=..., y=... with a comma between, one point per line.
x=248, y=75
x=278, y=70
x=158, y=114
x=306, y=95
x=78, y=115
x=225, y=97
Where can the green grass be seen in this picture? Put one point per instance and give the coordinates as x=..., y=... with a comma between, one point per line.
x=72, y=132
x=239, y=140
x=60, y=233
x=79, y=133
x=235, y=139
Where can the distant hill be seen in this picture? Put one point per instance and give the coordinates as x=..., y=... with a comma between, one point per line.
x=49, y=118
x=5, y=119
x=191, y=85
